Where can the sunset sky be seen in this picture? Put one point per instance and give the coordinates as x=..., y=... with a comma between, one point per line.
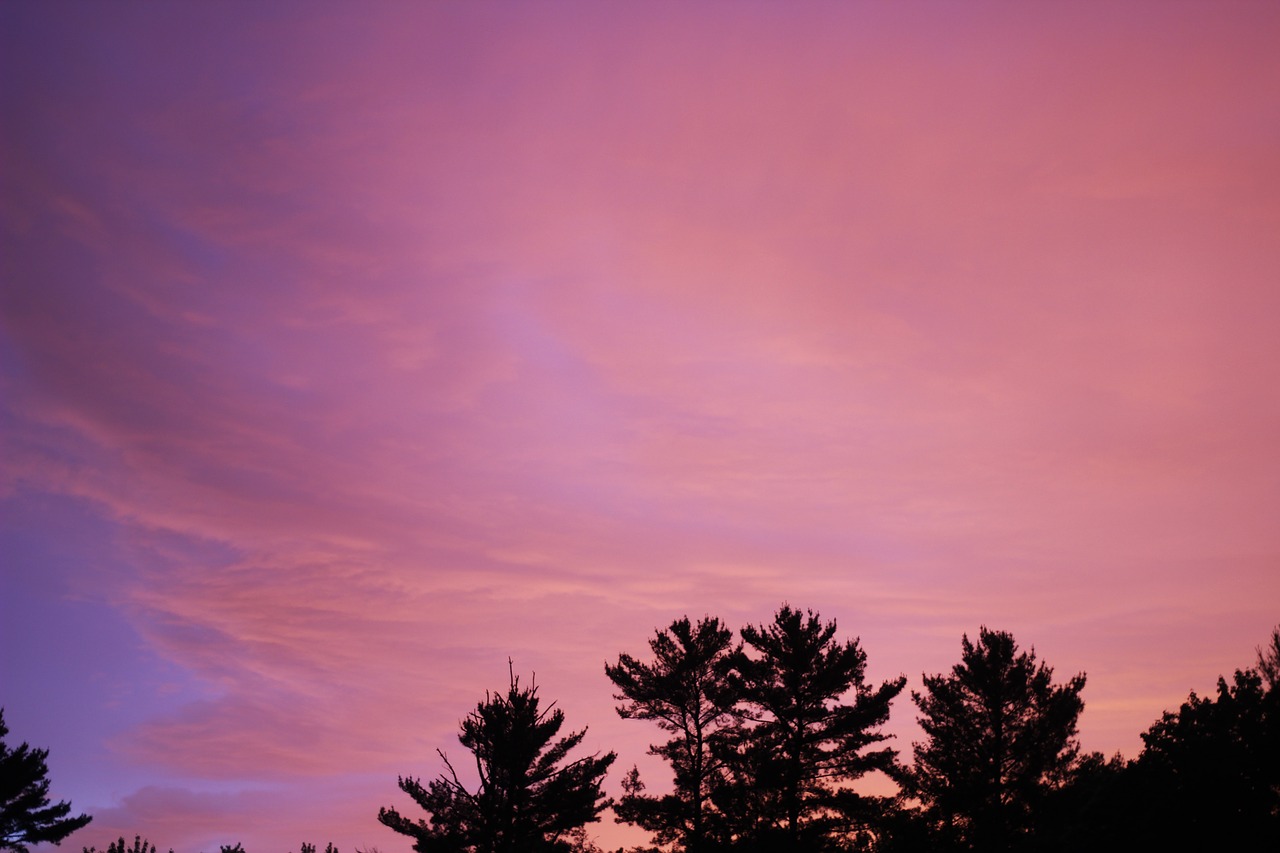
x=349, y=350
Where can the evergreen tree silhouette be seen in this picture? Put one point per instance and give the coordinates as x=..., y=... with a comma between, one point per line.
x=25, y=814
x=688, y=691
x=308, y=847
x=814, y=729
x=529, y=799
x=140, y=845
x=1001, y=736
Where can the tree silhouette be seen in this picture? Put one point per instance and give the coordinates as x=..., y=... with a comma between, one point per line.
x=1269, y=660
x=308, y=847
x=688, y=691
x=1000, y=736
x=25, y=814
x=808, y=741
x=140, y=845
x=528, y=800
x=1210, y=773
x=1094, y=809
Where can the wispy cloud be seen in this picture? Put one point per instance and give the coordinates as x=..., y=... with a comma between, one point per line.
x=389, y=346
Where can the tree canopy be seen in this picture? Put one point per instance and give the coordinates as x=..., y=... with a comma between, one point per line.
x=688, y=691
x=140, y=845
x=26, y=817
x=1209, y=773
x=530, y=797
x=1000, y=735
x=768, y=734
x=768, y=730
x=1269, y=660
x=815, y=729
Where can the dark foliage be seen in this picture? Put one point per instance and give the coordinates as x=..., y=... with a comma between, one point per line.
x=307, y=847
x=1001, y=737
x=140, y=845
x=1269, y=660
x=1091, y=810
x=26, y=817
x=814, y=728
x=529, y=800
x=767, y=735
x=1209, y=774
x=688, y=690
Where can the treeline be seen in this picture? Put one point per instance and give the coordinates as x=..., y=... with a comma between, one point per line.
x=141, y=845
x=767, y=732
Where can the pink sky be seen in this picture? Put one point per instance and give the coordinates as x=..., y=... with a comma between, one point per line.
x=349, y=350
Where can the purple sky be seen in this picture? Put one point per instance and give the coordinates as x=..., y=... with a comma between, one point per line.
x=348, y=350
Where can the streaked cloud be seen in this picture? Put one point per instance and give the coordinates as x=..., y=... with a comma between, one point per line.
x=381, y=347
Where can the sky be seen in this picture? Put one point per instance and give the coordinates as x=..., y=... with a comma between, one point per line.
x=349, y=351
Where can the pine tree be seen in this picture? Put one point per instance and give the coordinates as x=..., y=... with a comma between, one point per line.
x=140, y=845
x=815, y=729
x=688, y=691
x=528, y=801
x=25, y=814
x=1000, y=736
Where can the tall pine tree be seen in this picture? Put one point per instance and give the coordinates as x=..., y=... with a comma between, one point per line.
x=815, y=728
x=689, y=692
x=1000, y=735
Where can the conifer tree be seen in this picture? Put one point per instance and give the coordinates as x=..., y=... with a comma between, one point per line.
x=308, y=847
x=1000, y=735
x=529, y=800
x=25, y=814
x=140, y=845
x=688, y=690
x=816, y=728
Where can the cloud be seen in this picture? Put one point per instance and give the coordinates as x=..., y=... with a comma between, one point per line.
x=392, y=349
